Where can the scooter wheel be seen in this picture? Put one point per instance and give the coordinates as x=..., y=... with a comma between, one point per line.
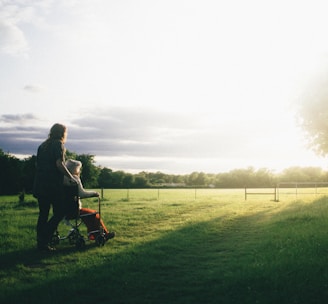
x=80, y=243
x=55, y=240
x=100, y=240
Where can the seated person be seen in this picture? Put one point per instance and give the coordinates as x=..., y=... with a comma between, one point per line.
x=92, y=221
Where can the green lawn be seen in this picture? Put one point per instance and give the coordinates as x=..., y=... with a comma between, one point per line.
x=174, y=246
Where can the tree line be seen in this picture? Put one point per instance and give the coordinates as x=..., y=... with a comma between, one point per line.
x=17, y=175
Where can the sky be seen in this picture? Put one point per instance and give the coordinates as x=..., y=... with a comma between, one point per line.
x=175, y=86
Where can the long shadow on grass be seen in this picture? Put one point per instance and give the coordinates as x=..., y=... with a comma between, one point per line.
x=34, y=258
x=249, y=259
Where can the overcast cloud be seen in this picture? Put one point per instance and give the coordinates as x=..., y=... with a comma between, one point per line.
x=147, y=139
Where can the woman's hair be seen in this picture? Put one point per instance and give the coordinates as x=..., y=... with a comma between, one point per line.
x=57, y=132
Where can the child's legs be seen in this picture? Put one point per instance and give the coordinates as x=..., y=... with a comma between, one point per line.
x=92, y=221
x=102, y=224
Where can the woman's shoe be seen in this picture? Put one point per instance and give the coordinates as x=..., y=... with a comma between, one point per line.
x=109, y=235
x=46, y=248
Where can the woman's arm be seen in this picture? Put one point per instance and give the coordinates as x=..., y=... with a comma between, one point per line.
x=82, y=192
x=63, y=169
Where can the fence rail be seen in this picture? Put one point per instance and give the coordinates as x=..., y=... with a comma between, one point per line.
x=297, y=188
x=273, y=192
x=294, y=188
x=281, y=189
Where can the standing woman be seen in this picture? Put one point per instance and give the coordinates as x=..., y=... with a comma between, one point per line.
x=48, y=185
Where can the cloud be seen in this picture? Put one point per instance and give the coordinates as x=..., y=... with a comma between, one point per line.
x=14, y=15
x=20, y=134
x=21, y=140
x=153, y=133
x=12, y=39
x=144, y=138
x=124, y=132
x=33, y=88
x=142, y=132
x=18, y=119
x=135, y=131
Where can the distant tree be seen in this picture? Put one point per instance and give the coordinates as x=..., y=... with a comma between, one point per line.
x=17, y=175
x=313, y=114
x=70, y=155
x=264, y=178
x=314, y=173
x=178, y=179
x=293, y=174
x=242, y=177
x=28, y=173
x=157, y=178
x=105, y=178
x=90, y=173
x=128, y=180
x=201, y=180
x=10, y=174
x=192, y=179
x=216, y=180
x=141, y=181
x=300, y=174
x=117, y=179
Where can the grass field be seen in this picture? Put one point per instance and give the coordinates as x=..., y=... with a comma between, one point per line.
x=174, y=246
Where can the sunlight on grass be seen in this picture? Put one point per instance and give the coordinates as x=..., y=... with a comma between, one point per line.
x=175, y=247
